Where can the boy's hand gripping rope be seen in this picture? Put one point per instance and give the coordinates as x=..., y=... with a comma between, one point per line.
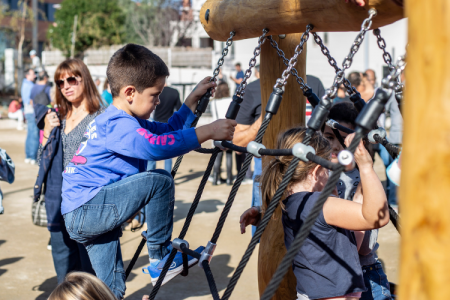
x=231, y=114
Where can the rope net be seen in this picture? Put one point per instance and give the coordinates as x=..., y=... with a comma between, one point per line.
x=365, y=122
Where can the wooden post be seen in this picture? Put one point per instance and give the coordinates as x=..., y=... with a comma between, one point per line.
x=290, y=113
x=248, y=17
x=425, y=182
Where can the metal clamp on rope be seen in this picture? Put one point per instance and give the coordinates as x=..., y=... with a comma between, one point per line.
x=274, y=101
x=372, y=110
x=332, y=123
x=218, y=144
x=234, y=107
x=301, y=150
x=312, y=98
x=203, y=103
x=346, y=159
x=176, y=243
x=320, y=113
x=380, y=131
x=207, y=253
x=254, y=147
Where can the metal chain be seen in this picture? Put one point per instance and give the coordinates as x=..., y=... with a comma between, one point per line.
x=229, y=42
x=294, y=72
x=391, y=81
x=382, y=45
x=293, y=61
x=241, y=89
x=332, y=62
x=348, y=60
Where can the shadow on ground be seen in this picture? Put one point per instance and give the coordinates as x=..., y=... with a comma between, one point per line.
x=195, y=284
x=207, y=206
x=191, y=176
x=46, y=287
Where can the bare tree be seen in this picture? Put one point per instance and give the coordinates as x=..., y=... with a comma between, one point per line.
x=159, y=22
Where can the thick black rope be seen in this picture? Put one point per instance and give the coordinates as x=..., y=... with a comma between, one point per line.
x=307, y=226
x=263, y=224
x=211, y=281
x=135, y=258
x=339, y=138
x=185, y=271
x=205, y=150
x=393, y=150
x=240, y=178
x=187, y=222
x=395, y=218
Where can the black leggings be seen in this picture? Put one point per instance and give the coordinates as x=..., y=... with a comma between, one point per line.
x=218, y=163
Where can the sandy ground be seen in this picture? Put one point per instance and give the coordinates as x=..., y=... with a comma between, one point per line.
x=26, y=266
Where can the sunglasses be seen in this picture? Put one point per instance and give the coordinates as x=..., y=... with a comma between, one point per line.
x=70, y=80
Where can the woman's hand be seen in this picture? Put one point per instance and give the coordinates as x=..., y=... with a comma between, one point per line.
x=251, y=216
x=362, y=156
x=51, y=121
x=199, y=91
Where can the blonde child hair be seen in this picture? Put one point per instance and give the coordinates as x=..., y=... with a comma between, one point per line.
x=82, y=286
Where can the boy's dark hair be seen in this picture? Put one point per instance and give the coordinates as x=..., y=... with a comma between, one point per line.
x=344, y=112
x=238, y=64
x=134, y=65
x=355, y=79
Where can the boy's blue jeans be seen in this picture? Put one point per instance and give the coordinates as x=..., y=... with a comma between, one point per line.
x=96, y=224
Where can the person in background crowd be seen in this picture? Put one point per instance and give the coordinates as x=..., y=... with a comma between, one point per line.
x=219, y=107
x=239, y=75
x=371, y=77
x=169, y=103
x=32, y=141
x=221, y=78
x=40, y=93
x=78, y=104
x=15, y=112
x=106, y=95
x=341, y=95
x=35, y=61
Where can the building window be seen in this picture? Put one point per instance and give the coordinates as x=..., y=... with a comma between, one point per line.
x=206, y=43
x=184, y=42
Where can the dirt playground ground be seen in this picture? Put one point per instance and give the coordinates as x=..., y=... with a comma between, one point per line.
x=26, y=266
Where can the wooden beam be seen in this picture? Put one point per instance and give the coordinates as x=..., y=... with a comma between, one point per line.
x=248, y=17
x=290, y=113
x=425, y=181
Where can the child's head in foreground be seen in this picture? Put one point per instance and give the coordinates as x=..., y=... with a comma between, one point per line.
x=273, y=173
x=82, y=286
x=136, y=78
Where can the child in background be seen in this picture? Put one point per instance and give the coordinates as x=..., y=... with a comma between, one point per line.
x=374, y=277
x=81, y=286
x=327, y=265
x=15, y=112
x=106, y=182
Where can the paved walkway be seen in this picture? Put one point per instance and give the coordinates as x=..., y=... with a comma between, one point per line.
x=26, y=266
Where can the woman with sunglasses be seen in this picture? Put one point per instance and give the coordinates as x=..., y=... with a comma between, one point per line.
x=78, y=103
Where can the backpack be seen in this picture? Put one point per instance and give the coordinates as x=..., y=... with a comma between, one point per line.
x=42, y=97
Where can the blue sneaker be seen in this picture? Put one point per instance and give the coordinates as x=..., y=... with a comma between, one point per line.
x=176, y=267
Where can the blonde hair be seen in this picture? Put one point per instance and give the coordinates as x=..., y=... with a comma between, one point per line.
x=274, y=171
x=82, y=286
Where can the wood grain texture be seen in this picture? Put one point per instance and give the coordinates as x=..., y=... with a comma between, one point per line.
x=290, y=113
x=425, y=181
x=248, y=17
